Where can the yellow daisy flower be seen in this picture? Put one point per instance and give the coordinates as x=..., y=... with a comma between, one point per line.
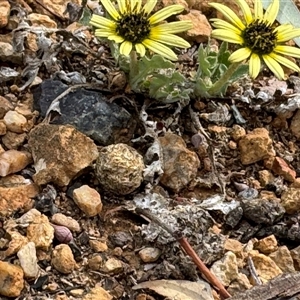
x=132, y=25
x=259, y=37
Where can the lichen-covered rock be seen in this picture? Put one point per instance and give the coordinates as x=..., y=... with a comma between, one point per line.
x=180, y=164
x=119, y=169
x=60, y=152
x=290, y=200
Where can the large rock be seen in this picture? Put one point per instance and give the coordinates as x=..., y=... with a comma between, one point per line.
x=290, y=200
x=60, y=153
x=180, y=164
x=89, y=111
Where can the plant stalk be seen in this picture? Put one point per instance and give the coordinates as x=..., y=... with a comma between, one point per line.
x=217, y=86
x=134, y=68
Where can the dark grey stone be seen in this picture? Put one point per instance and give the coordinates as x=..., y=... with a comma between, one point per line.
x=87, y=110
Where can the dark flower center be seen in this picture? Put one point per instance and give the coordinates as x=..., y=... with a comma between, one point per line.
x=259, y=37
x=133, y=27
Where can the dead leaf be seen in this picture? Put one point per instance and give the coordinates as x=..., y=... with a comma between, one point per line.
x=178, y=289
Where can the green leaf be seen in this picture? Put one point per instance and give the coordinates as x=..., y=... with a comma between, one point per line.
x=169, y=88
x=204, y=65
x=148, y=66
x=85, y=17
x=288, y=14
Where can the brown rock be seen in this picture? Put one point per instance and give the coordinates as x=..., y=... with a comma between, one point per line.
x=265, y=267
x=234, y=246
x=295, y=125
x=11, y=279
x=4, y=13
x=63, y=259
x=180, y=164
x=283, y=259
x=201, y=29
x=256, y=146
x=265, y=177
x=97, y=293
x=39, y=20
x=63, y=220
x=113, y=266
x=296, y=183
x=41, y=232
x=226, y=269
x=2, y=128
x=95, y=263
x=267, y=245
x=171, y=2
x=295, y=253
x=8, y=54
x=57, y=7
x=280, y=167
x=60, y=153
x=88, y=200
x=15, y=122
x=13, y=161
x=241, y=283
x=120, y=169
x=98, y=246
x=290, y=200
x=12, y=140
x=5, y=106
x=16, y=193
x=17, y=241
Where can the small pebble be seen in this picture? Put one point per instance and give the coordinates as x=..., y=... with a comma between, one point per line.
x=63, y=259
x=98, y=246
x=28, y=260
x=61, y=219
x=113, y=266
x=149, y=254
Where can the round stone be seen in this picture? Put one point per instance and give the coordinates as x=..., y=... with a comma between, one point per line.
x=119, y=169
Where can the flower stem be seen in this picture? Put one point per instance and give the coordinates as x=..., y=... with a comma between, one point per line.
x=217, y=87
x=134, y=68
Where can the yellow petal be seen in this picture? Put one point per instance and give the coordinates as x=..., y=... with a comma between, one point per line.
x=258, y=10
x=160, y=49
x=246, y=11
x=115, y=38
x=125, y=48
x=240, y=55
x=110, y=8
x=136, y=5
x=228, y=36
x=284, y=61
x=170, y=39
x=172, y=27
x=148, y=7
x=221, y=24
x=254, y=65
x=104, y=32
x=274, y=66
x=287, y=50
x=271, y=12
x=286, y=36
x=229, y=14
x=165, y=13
x=122, y=6
x=101, y=22
x=140, y=48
